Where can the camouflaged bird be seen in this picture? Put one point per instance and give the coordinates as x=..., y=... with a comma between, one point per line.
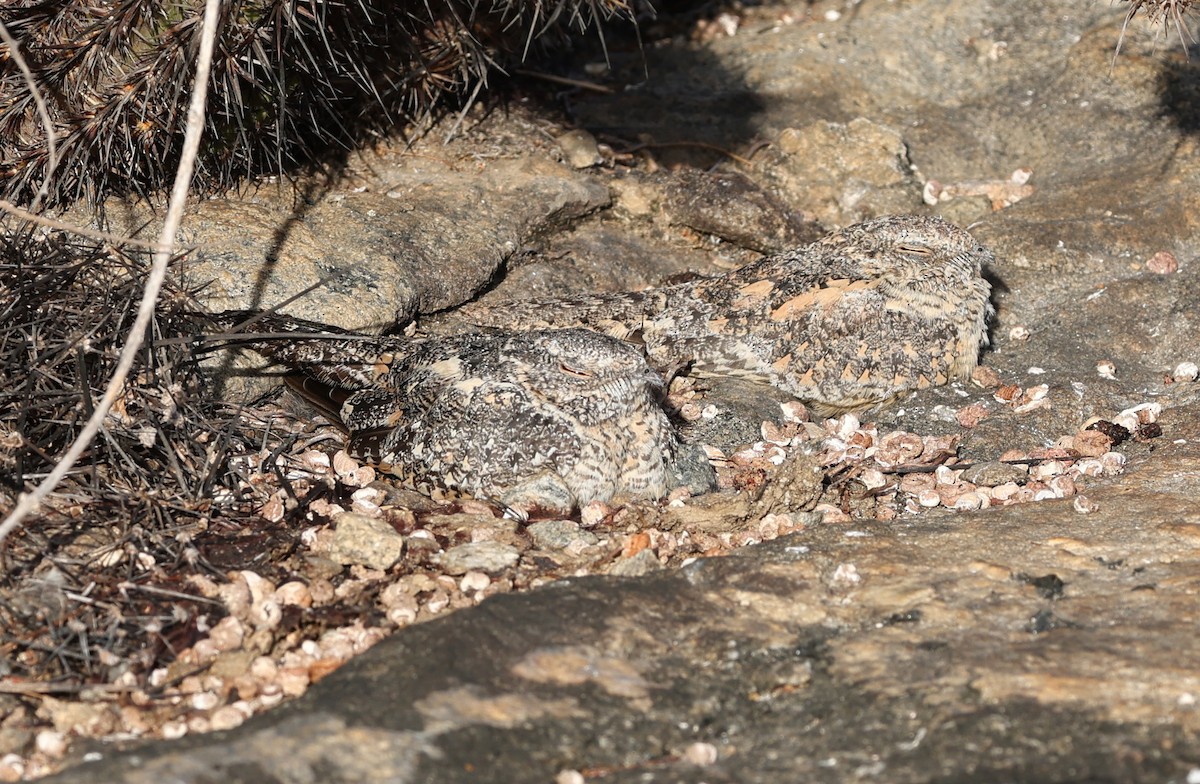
x=545, y=418
x=850, y=321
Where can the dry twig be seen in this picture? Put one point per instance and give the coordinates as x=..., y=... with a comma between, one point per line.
x=28, y=502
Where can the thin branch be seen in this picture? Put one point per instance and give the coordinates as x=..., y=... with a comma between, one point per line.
x=10, y=687
x=30, y=501
x=462, y=115
x=563, y=80
x=94, y=234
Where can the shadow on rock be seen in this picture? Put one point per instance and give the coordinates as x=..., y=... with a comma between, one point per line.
x=1180, y=91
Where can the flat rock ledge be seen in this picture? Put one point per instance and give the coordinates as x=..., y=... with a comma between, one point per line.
x=1025, y=643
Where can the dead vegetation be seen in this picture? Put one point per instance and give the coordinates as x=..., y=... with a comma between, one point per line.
x=93, y=588
x=188, y=573
x=204, y=561
x=291, y=80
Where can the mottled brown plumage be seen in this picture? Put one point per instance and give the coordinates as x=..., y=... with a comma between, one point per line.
x=850, y=321
x=543, y=413
x=545, y=418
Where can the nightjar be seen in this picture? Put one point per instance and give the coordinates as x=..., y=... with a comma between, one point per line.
x=541, y=418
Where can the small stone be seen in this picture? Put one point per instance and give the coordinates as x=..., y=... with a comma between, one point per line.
x=51, y=743
x=794, y=411
x=593, y=513
x=264, y=668
x=916, y=482
x=271, y=695
x=1019, y=333
x=1063, y=486
x=1126, y=421
x=366, y=500
x=294, y=594
x=945, y=475
x=488, y=557
x=471, y=506
x=558, y=534
x=579, y=149
x=315, y=461
x=701, y=754
x=929, y=498
x=1144, y=413
x=1009, y=393
x=972, y=415
x=227, y=717
x=343, y=464
x=1163, y=263
x=272, y=510
x=437, y=601
x=1004, y=491
x=948, y=495
x=1047, y=469
x=322, y=590
x=293, y=680
x=846, y=574
x=227, y=634
x=369, y=541
x=1113, y=463
x=845, y=426
x=898, y=448
x=872, y=478
x=1185, y=371
x=992, y=474
x=774, y=434
x=12, y=768
x=1032, y=399
x=1091, y=443
x=970, y=501
x=833, y=515
x=643, y=562
x=205, y=700
x=474, y=581
x=985, y=377
x=728, y=23
x=403, y=615
x=635, y=544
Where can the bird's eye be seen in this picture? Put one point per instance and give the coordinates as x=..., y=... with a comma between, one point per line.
x=570, y=371
x=920, y=250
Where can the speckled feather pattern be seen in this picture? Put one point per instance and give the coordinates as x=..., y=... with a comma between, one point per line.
x=541, y=418
x=852, y=320
x=557, y=404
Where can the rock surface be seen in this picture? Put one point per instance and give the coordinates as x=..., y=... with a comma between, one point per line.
x=1043, y=642
x=898, y=652
x=487, y=557
x=359, y=539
